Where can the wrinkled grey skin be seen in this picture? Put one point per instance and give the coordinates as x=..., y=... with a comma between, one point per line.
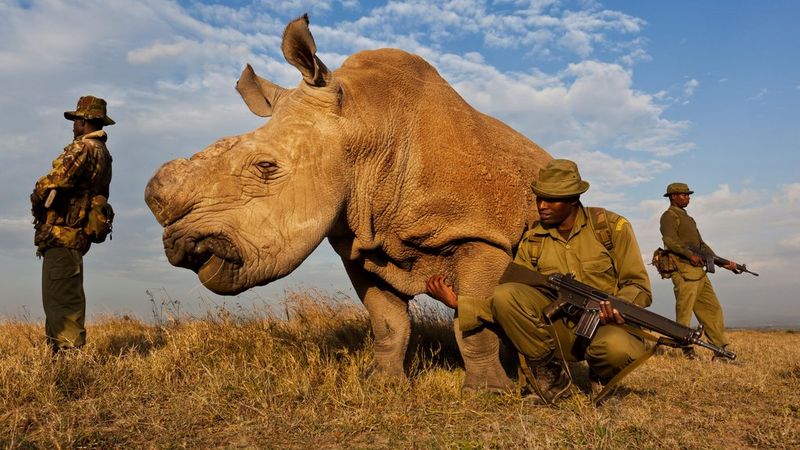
x=383, y=158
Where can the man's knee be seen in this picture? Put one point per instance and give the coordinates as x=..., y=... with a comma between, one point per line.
x=616, y=351
x=511, y=299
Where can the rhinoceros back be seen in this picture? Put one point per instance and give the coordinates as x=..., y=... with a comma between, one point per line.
x=450, y=173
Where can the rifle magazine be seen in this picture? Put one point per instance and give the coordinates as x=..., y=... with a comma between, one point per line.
x=587, y=325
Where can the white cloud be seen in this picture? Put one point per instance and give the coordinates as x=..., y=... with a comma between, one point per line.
x=792, y=242
x=690, y=86
x=533, y=26
x=13, y=223
x=762, y=93
x=792, y=193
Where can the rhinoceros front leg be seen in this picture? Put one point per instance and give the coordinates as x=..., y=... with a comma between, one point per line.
x=478, y=270
x=388, y=315
x=480, y=350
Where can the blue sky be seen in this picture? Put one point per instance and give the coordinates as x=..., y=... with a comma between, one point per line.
x=640, y=94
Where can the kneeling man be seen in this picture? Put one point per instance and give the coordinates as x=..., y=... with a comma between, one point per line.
x=595, y=245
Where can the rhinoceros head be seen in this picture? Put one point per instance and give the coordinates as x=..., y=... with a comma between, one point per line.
x=249, y=209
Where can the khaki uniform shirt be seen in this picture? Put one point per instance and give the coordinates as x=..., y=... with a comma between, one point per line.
x=679, y=232
x=80, y=172
x=620, y=271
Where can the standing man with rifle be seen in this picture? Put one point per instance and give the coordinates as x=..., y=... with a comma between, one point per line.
x=693, y=290
x=71, y=211
x=599, y=248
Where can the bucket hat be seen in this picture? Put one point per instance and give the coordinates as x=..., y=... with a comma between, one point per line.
x=90, y=107
x=559, y=179
x=678, y=188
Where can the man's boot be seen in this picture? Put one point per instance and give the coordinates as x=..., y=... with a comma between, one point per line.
x=548, y=378
x=689, y=353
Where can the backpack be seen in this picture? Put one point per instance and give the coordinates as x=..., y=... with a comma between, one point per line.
x=598, y=219
x=99, y=221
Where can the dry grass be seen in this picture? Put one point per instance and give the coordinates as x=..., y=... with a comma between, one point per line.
x=260, y=380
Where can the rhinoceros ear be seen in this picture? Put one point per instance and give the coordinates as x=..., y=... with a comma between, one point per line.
x=259, y=94
x=300, y=51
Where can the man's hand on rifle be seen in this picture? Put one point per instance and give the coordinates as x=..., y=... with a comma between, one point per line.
x=438, y=289
x=609, y=314
x=732, y=267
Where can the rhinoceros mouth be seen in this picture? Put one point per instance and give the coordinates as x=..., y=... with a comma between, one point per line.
x=202, y=252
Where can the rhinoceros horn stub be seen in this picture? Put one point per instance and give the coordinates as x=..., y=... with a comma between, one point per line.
x=259, y=94
x=300, y=50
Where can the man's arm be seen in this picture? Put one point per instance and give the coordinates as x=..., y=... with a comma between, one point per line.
x=472, y=312
x=633, y=283
x=67, y=169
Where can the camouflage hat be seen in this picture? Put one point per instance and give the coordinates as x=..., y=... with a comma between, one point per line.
x=559, y=179
x=90, y=107
x=678, y=188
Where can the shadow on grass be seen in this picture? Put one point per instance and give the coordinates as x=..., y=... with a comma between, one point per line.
x=137, y=342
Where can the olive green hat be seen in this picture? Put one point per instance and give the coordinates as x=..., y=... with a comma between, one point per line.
x=678, y=188
x=90, y=107
x=559, y=179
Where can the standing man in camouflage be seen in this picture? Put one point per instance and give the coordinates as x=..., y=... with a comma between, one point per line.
x=595, y=245
x=693, y=290
x=67, y=204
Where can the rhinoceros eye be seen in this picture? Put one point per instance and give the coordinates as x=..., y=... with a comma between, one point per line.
x=268, y=170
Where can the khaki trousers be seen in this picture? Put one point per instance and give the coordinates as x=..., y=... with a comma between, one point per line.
x=698, y=296
x=518, y=308
x=63, y=298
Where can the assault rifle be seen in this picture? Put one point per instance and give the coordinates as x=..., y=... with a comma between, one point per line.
x=710, y=259
x=575, y=298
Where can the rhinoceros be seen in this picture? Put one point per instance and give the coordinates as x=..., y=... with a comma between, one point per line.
x=384, y=159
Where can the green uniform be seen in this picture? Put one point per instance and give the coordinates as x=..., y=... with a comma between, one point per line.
x=81, y=172
x=693, y=290
x=517, y=307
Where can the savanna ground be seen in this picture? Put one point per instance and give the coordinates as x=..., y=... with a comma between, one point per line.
x=298, y=378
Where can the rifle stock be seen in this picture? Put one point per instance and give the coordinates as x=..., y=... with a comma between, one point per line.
x=575, y=297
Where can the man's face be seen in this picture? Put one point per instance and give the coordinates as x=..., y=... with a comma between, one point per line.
x=554, y=211
x=78, y=126
x=680, y=200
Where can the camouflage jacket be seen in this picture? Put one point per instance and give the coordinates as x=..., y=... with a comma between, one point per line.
x=82, y=171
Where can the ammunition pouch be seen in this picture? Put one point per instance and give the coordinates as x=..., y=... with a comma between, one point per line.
x=100, y=217
x=664, y=262
x=76, y=211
